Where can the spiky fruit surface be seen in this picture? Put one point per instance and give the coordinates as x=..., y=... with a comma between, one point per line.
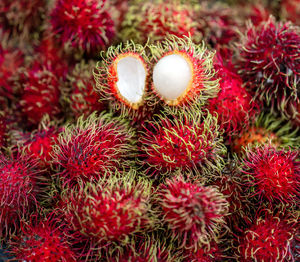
x=154, y=20
x=41, y=93
x=193, y=212
x=93, y=147
x=272, y=174
x=42, y=241
x=183, y=73
x=83, y=98
x=18, y=190
x=188, y=142
x=233, y=103
x=108, y=210
x=290, y=10
x=269, y=65
x=122, y=80
x=266, y=129
x=84, y=25
x=269, y=238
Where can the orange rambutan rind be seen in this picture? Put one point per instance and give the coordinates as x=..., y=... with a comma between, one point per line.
x=108, y=78
x=196, y=61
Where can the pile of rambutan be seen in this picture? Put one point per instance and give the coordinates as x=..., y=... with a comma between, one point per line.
x=149, y=131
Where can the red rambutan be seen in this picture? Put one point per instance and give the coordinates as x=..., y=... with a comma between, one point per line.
x=93, y=147
x=290, y=10
x=188, y=142
x=3, y=130
x=41, y=240
x=272, y=174
x=269, y=65
x=84, y=25
x=193, y=212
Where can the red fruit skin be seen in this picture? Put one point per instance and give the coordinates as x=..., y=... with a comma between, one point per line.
x=194, y=213
x=233, y=104
x=3, y=130
x=42, y=241
x=18, y=190
x=84, y=25
x=272, y=174
x=290, y=10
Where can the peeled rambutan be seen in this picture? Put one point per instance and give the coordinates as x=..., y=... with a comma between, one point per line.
x=122, y=80
x=41, y=93
x=41, y=240
x=188, y=142
x=83, y=98
x=269, y=238
x=18, y=191
x=272, y=174
x=93, y=147
x=269, y=65
x=154, y=20
x=182, y=75
x=83, y=25
x=266, y=129
x=233, y=104
x=108, y=210
x=193, y=212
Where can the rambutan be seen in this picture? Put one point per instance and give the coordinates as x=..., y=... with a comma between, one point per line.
x=272, y=174
x=193, y=212
x=109, y=210
x=83, y=98
x=182, y=75
x=269, y=65
x=154, y=20
x=233, y=103
x=290, y=10
x=122, y=80
x=41, y=240
x=188, y=142
x=18, y=190
x=3, y=130
x=93, y=147
x=269, y=238
x=82, y=25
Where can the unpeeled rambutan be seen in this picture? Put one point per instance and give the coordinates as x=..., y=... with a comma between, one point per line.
x=93, y=147
x=290, y=10
x=272, y=174
x=108, y=210
x=83, y=25
x=269, y=65
x=18, y=190
x=269, y=238
x=182, y=75
x=83, y=98
x=193, y=212
x=122, y=80
x=42, y=240
x=3, y=130
x=187, y=142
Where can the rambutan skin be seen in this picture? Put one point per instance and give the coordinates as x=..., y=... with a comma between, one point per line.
x=194, y=213
x=272, y=174
x=186, y=142
x=269, y=65
x=93, y=147
x=84, y=25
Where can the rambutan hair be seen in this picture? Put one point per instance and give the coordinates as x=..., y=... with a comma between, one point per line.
x=186, y=142
x=272, y=174
x=269, y=65
x=194, y=213
x=82, y=25
x=122, y=80
x=93, y=147
x=183, y=73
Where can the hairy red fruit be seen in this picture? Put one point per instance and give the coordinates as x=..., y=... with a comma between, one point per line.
x=18, y=190
x=93, y=147
x=194, y=213
x=42, y=240
x=270, y=66
x=84, y=25
x=272, y=174
x=290, y=10
x=3, y=130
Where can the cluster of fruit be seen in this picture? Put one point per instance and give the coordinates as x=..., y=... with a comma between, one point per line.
x=149, y=130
